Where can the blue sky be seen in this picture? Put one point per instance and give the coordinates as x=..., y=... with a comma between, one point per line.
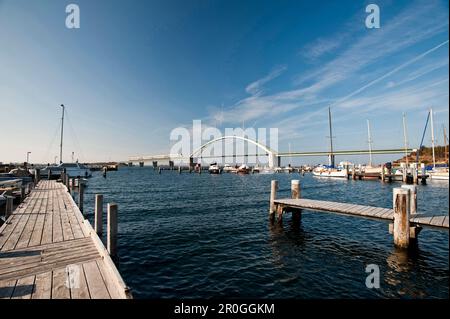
x=135, y=70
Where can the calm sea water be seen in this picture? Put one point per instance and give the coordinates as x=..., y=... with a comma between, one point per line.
x=204, y=236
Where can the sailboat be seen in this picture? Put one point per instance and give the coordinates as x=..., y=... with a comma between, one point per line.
x=369, y=170
x=330, y=170
x=437, y=173
x=72, y=169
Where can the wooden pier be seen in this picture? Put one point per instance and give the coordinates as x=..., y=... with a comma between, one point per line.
x=404, y=220
x=48, y=250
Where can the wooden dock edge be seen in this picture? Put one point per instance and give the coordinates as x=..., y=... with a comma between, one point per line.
x=125, y=291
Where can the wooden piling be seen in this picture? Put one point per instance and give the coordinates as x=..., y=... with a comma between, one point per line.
x=383, y=177
x=37, y=175
x=9, y=206
x=98, y=222
x=401, y=207
x=415, y=173
x=179, y=169
x=80, y=195
x=295, y=194
x=159, y=170
x=412, y=198
x=405, y=174
x=73, y=183
x=67, y=182
x=295, y=189
x=22, y=193
x=49, y=175
x=112, y=229
x=273, y=195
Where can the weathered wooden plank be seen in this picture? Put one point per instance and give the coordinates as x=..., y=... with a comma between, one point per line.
x=59, y=284
x=445, y=223
x=7, y=288
x=113, y=289
x=437, y=221
x=43, y=286
x=24, y=288
x=57, y=224
x=21, y=271
x=96, y=285
x=33, y=258
x=18, y=230
x=28, y=229
x=47, y=231
x=78, y=287
x=67, y=230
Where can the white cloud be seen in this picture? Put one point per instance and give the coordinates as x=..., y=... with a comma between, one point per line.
x=255, y=88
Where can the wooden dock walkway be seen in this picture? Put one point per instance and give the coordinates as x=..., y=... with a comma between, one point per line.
x=405, y=222
x=432, y=220
x=49, y=251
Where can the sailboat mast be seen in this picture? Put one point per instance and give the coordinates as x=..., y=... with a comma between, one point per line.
x=445, y=145
x=370, y=142
x=432, y=137
x=331, y=156
x=405, y=136
x=62, y=134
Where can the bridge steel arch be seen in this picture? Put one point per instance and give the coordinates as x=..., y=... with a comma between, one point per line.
x=273, y=155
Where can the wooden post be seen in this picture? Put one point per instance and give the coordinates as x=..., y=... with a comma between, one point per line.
x=73, y=183
x=424, y=175
x=112, y=229
x=354, y=172
x=415, y=173
x=37, y=175
x=67, y=183
x=273, y=195
x=179, y=169
x=295, y=193
x=405, y=175
x=80, y=195
x=382, y=174
x=98, y=223
x=159, y=170
x=413, y=198
x=22, y=193
x=295, y=189
x=49, y=174
x=401, y=202
x=9, y=206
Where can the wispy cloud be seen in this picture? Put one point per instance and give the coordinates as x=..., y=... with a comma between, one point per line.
x=418, y=22
x=256, y=88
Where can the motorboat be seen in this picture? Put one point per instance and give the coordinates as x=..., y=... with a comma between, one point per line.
x=214, y=169
x=229, y=169
x=278, y=170
x=327, y=171
x=439, y=173
x=289, y=169
x=72, y=170
x=243, y=169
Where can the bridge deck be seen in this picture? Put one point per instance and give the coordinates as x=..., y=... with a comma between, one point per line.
x=433, y=220
x=49, y=251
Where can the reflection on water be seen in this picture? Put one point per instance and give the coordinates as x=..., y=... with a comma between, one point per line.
x=203, y=236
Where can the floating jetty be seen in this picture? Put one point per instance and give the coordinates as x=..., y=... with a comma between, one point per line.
x=48, y=250
x=405, y=221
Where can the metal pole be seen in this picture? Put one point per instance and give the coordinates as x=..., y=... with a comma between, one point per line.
x=405, y=136
x=62, y=133
x=432, y=137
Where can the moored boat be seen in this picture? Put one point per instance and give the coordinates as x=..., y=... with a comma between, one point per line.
x=214, y=169
x=243, y=169
x=326, y=171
